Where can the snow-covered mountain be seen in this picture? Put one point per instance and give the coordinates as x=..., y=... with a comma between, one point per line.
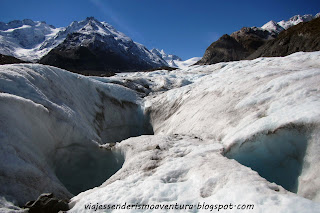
x=244, y=43
x=302, y=37
x=24, y=39
x=187, y=63
x=277, y=27
x=169, y=58
x=174, y=60
x=165, y=56
x=245, y=129
x=93, y=47
x=30, y=41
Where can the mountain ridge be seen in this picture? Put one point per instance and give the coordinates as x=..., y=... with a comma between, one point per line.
x=248, y=40
x=172, y=60
x=110, y=50
x=304, y=36
x=23, y=39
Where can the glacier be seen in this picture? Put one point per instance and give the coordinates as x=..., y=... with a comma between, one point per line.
x=240, y=133
x=52, y=124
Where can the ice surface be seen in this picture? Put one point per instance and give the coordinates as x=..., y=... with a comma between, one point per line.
x=9, y=207
x=263, y=113
x=244, y=99
x=231, y=133
x=52, y=120
x=276, y=156
x=187, y=170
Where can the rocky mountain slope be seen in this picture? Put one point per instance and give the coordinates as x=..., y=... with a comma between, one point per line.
x=97, y=47
x=5, y=59
x=226, y=48
x=236, y=46
x=302, y=37
x=245, y=42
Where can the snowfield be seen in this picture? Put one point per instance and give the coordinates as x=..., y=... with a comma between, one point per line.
x=235, y=137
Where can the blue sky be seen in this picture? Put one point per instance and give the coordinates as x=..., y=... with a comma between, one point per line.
x=181, y=27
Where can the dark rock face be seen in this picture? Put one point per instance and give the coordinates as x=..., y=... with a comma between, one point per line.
x=81, y=59
x=253, y=42
x=251, y=38
x=237, y=46
x=225, y=49
x=5, y=59
x=94, y=54
x=47, y=203
x=302, y=37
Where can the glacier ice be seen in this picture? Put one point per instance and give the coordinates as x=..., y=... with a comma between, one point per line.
x=50, y=119
x=277, y=156
x=264, y=113
x=242, y=132
x=80, y=168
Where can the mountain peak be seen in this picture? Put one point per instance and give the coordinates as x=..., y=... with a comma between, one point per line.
x=295, y=20
x=277, y=27
x=252, y=42
x=90, y=18
x=272, y=26
x=167, y=57
x=22, y=38
x=20, y=23
x=108, y=49
x=306, y=17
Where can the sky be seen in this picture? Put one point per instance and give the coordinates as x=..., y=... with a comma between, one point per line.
x=181, y=27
